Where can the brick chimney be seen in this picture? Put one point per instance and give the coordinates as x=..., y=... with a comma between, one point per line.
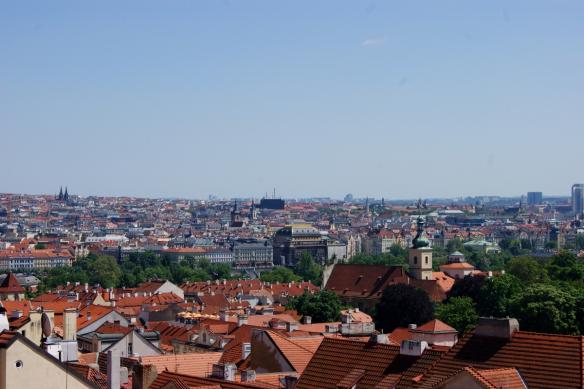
x=143, y=376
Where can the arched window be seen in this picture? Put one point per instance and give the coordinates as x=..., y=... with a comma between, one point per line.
x=426, y=259
x=415, y=260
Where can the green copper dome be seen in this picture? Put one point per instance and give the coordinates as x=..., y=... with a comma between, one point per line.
x=420, y=240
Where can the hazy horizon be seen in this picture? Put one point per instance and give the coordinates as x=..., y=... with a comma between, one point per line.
x=378, y=99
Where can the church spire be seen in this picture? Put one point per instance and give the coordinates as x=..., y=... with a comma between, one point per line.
x=60, y=197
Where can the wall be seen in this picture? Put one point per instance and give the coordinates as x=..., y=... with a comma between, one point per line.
x=35, y=367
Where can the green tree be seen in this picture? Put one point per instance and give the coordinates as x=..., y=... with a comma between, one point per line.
x=527, y=270
x=308, y=269
x=469, y=286
x=105, y=271
x=495, y=295
x=545, y=308
x=401, y=305
x=323, y=306
x=279, y=274
x=565, y=266
x=459, y=312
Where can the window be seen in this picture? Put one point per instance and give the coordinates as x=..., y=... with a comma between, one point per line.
x=19, y=364
x=130, y=349
x=426, y=260
x=415, y=260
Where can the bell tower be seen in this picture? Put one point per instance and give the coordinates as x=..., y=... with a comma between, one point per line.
x=420, y=254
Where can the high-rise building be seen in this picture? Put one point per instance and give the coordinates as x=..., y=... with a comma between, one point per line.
x=534, y=198
x=578, y=199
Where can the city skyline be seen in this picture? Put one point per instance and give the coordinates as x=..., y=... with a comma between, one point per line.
x=232, y=98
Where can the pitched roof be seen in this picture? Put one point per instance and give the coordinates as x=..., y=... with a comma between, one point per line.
x=196, y=382
x=193, y=364
x=435, y=326
x=337, y=359
x=543, y=360
x=10, y=284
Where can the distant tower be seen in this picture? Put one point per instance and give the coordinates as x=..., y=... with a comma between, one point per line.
x=66, y=195
x=578, y=200
x=60, y=197
x=421, y=254
x=253, y=212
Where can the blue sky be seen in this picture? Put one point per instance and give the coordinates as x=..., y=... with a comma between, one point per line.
x=316, y=98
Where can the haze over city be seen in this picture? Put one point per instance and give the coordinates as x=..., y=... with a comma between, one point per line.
x=378, y=99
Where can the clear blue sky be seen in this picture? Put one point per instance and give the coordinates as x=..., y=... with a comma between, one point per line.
x=395, y=99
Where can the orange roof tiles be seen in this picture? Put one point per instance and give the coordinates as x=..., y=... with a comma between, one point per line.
x=193, y=364
x=543, y=360
x=337, y=359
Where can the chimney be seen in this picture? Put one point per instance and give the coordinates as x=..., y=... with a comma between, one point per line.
x=88, y=315
x=492, y=327
x=307, y=319
x=241, y=320
x=245, y=350
x=248, y=376
x=86, y=287
x=4, y=325
x=412, y=326
x=290, y=382
x=143, y=376
x=413, y=347
x=291, y=326
x=224, y=372
x=113, y=370
x=70, y=324
x=379, y=339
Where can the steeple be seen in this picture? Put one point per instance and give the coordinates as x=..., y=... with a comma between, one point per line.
x=66, y=195
x=420, y=254
x=60, y=196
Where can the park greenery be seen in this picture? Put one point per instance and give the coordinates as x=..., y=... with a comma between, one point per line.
x=323, y=306
x=137, y=268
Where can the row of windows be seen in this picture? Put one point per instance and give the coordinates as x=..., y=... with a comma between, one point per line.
x=426, y=259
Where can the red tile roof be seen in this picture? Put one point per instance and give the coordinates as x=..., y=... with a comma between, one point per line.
x=197, y=382
x=543, y=360
x=10, y=285
x=336, y=360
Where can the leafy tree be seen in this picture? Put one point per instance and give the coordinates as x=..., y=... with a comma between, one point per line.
x=469, y=286
x=401, y=305
x=105, y=271
x=565, y=266
x=527, y=270
x=279, y=274
x=459, y=312
x=545, y=308
x=323, y=306
x=495, y=295
x=308, y=269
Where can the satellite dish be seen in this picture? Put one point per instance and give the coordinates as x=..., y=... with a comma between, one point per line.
x=46, y=325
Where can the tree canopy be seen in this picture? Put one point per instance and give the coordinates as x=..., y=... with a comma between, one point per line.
x=401, y=305
x=323, y=306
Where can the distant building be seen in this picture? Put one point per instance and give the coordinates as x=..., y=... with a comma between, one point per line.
x=534, y=198
x=291, y=241
x=578, y=199
x=252, y=254
x=272, y=204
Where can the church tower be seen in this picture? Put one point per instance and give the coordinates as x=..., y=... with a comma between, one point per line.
x=421, y=254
